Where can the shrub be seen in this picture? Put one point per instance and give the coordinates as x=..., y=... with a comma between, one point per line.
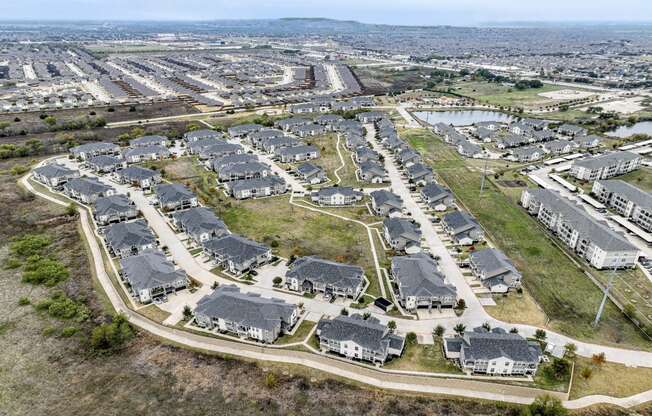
x=277, y=281
x=24, y=301
x=110, y=337
x=540, y=334
x=271, y=380
x=68, y=331
x=12, y=263
x=439, y=331
x=586, y=373
x=545, y=405
x=49, y=331
x=40, y=270
x=30, y=244
x=18, y=170
x=411, y=338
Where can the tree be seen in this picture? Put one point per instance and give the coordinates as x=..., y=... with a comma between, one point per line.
x=438, y=331
x=513, y=330
x=461, y=304
x=540, y=335
x=545, y=405
x=344, y=312
x=586, y=373
x=569, y=350
x=459, y=329
x=110, y=337
x=411, y=338
x=277, y=281
x=598, y=359
x=391, y=325
x=366, y=315
x=187, y=313
x=486, y=326
x=559, y=369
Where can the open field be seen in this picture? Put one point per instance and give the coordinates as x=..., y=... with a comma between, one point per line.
x=330, y=160
x=564, y=293
x=505, y=96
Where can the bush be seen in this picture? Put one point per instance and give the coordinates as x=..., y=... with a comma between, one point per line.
x=545, y=405
x=110, y=337
x=271, y=380
x=411, y=338
x=45, y=271
x=62, y=307
x=24, y=301
x=12, y=263
x=277, y=280
x=68, y=331
x=559, y=369
x=18, y=170
x=30, y=244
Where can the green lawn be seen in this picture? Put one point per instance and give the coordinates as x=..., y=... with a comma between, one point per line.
x=299, y=336
x=425, y=358
x=330, y=160
x=559, y=287
x=641, y=178
x=609, y=379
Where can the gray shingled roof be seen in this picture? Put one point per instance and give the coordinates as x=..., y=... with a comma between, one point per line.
x=87, y=186
x=483, y=345
x=607, y=159
x=129, y=234
x=629, y=191
x=114, y=204
x=104, y=161
x=54, y=170
x=200, y=220
x=236, y=248
x=137, y=173
x=384, y=197
x=402, y=228
x=418, y=275
x=369, y=333
x=247, y=309
x=315, y=269
x=146, y=150
x=149, y=270
x=171, y=193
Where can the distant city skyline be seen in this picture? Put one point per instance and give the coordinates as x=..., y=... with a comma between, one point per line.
x=406, y=12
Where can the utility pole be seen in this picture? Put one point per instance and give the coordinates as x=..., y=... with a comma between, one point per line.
x=604, y=298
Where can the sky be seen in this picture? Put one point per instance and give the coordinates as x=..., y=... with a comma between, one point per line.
x=408, y=12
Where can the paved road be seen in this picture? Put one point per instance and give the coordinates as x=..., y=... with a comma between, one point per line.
x=374, y=377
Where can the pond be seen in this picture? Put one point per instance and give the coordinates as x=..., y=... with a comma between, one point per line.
x=642, y=127
x=462, y=117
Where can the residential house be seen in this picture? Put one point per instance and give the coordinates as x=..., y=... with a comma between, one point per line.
x=312, y=274
x=288, y=124
x=419, y=173
x=200, y=224
x=408, y=157
x=372, y=172
x=420, y=284
x=87, y=190
x=239, y=171
x=138, y=176
x=203, y=134
x=246, y=315
x=527, y=154
x=274, y=144
x=571, y=130
x=386, y=203
x=237, y=254
x=365, y=154
x=88, y=150
x=462, y=228
x=496, y=272
x=297, y=153
x=494, y=352
x=145, y=141
x=591, y=239
x=336, y=196
x=219, y=150
x=468, y=149
x=437, y=197
x=558, y=147
x=587, y=142
x=236, y=131
x=311, y=173
x=126, y=239
x=150, y=275
x=256, y=188
x=175, y=196
x=114, y=208
x=370, y=116
x=402, y=235
x=357, y=338
x=143, y=153
x=309, y=130
x=105, y=164
x=54, y=175
x=224, y=161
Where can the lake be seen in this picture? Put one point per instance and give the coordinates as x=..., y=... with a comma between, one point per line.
x=462, y=117
x=644, y=127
